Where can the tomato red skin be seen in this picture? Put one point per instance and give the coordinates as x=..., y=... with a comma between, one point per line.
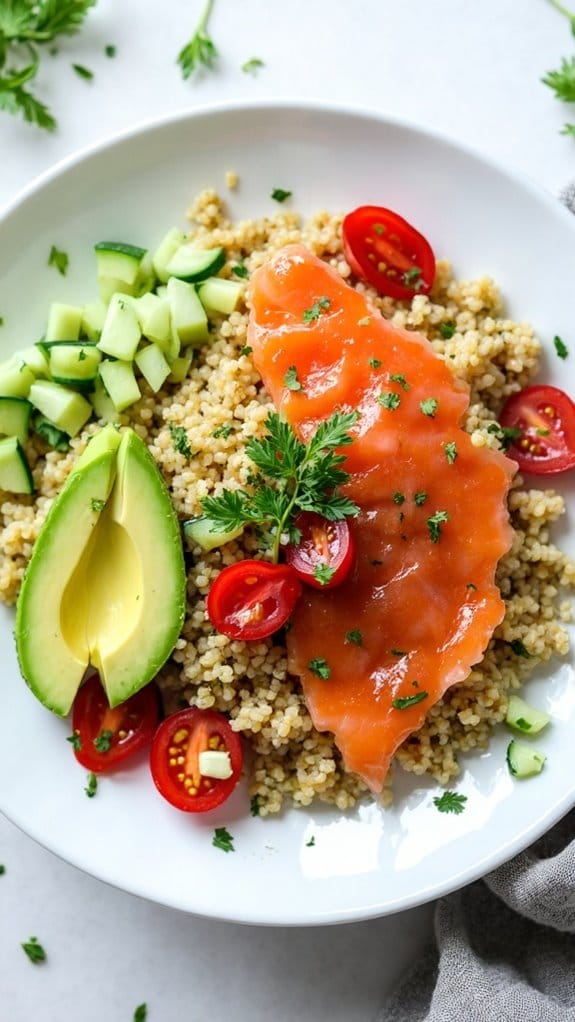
x=90, y=706
x=232, y=592
x=304, y=556
x=410, y=250
x=558, y=449
x=191, y=718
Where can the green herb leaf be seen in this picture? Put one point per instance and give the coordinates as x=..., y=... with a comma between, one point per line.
x=223, y=840
x=252, y=65
x=523, y=724
x=59, y=260
x=141, y=1013
x=390, y=400
x=110, y=50
x=450, y=802
x=520, y=650
x=562, y=82
x=311, y=842
x=400, y=378
x=180, y=441
x=505, y=434
x=412, y=277
x=240, y=270
x=75, y=741
x=246, y=350
x=97, y=505
x=375, y=363
x=83, y=72
x=420, y=498
x=354, y=636
x=447, y=329
x=103, y=741
x=404, y=702
x=34, y=950
x=290, y=379
x=222, y=432
x=280, y=194
x=568, y=129
x=429, y=406
x=315, y=311
x=320, y=667
x=323, y=573
x=451, y=452
x=560, y=347
x=398, y=498
x=201, y=50
x=92, y=785
x=2, y=870
x=51, y=434
x=254, y=806
x=434, y=524
x=398, y=652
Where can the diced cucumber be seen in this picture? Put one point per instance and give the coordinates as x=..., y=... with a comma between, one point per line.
x=523, y=717
x=154, y=318
x=180, y=367
x=51, y=434
x=118, y=260
x=121, y=331
x=15, y=417
x=64, y=322
x=188, y=314
x=35, y=358
x=220, y=295
x=192, y=263
x=15, y=474
x=523, y=760
x=102, y=403
x=120, y=383
x=93, y=316
x=109, y=286
x=153, y=366
x=200, y=532
x=16, y=378
x=146, y=278
x=167, y=248
x=74, y=363
x=65, y=408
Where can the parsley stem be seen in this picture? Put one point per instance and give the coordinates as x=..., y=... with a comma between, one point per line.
x=202, y=24
x=563, y=10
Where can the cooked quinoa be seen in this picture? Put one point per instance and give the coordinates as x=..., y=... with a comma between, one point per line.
x=248, y=681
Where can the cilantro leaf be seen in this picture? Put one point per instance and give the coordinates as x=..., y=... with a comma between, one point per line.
x=223, y=840
x=201, y=49
x=59, y=260
x=404, y=702
x=34, y=950
x=450, y=802
x=320, y=667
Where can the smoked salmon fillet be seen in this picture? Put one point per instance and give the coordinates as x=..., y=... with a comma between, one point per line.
x=421, y=600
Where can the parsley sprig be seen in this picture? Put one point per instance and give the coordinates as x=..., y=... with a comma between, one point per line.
x=201, y=49
x=24, y=27
x=562, y=81
x=450, y=802
x=292, y=477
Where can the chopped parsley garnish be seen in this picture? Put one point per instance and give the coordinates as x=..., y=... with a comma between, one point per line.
x=2, y=870
x=519, y=649
x=59, y=260
x=92, y=785
x=375, y=363
x=252, y=65
x=447, y=329
x=450, y=802
x=390, y=399
x=83, y=72
x=201, y=49
x=398, y=498
x=141, y=1013
x=522, y=724
x=505, y=434
x=254, y=805
x=222, y=432
x=223, y=840
x=51, y=434
x=560, y=347
x=323, y=573
x=1, y=320
x=292, y=477
x=398, y=652
x=413, y=277
x=311, y=842
x=420, y=498
x=320, y=667
x=97, y=504
x=429, y=406
x=110, y=50
x=562, y=81
x=34, y=950
x=434, y=524
x=103, y=741
x=315, y=311
x=354, y=636
x=75, y=741
x=81, y=355
x=290, y=379
x=240, y=270
x=404, y=702
x=247, y=350
x=280, y=194
x=180, y=441
x=451, y=452
x=400, y=378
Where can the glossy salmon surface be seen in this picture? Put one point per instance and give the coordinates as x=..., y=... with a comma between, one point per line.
x=421, y=600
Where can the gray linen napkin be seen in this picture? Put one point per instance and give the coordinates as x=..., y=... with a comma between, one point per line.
x=505, y=950
x=505, y=946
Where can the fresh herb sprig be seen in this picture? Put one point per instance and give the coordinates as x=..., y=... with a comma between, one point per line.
x=201, y=51
x=292, y=477
x=24, y=28
x=562, y=80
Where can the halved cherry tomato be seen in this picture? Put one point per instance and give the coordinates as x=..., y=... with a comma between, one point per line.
x=175, y=759
x=546, y=418
x=324, y=555
x=385, y=250
x=106, y=737
x=252, y=599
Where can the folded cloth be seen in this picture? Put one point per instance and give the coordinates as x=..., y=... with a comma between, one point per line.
x=505, y=950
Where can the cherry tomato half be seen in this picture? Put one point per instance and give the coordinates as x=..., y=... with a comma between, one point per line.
x=324, y=555
x=386, y=251
x=175, y=759
x=546, y=418
x=105, y=737
x=252, y=599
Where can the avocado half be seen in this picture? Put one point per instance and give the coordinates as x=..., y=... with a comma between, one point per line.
x=106, y=582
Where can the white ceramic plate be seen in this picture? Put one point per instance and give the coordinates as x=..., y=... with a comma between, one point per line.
x=368, y=862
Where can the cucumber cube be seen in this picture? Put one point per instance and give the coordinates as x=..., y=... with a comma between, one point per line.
x=102, y=403
x=93, y=316
x=16, y=378
x=74, y=362
x=36, y=360
x=121, y=331
x=180, y=367
x=15, y=475
x=119, y=260
x=153, y=366
x=120, y=383
x=15, y=417
x=169, y=244
x=63, y=322
x=220, y=295
x=188, y=314
x=154, y=318
x=65, y=408
x=192, y=263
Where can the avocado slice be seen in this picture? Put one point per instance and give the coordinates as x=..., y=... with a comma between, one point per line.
x=120, y=603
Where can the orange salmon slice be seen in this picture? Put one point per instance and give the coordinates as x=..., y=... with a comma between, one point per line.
x=433, y=520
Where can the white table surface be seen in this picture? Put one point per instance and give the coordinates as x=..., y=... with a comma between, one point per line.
x=470, y=70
